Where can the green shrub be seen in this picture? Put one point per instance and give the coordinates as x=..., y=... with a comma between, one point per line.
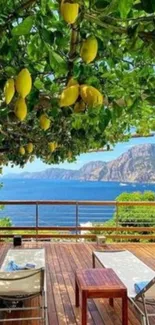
x=131, y=216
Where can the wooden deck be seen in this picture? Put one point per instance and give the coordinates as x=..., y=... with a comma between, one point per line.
x=62, y=259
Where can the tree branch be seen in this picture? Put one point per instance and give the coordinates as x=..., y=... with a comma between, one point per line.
x=142, y=18
x=96, y=20
x=72, y=52
x=145, y=36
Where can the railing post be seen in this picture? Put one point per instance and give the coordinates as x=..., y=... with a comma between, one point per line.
x=77, y=218
x=117, y=221
x=37, y=220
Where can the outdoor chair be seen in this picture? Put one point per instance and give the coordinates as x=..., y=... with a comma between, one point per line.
x=131, y=271
x=17, y=287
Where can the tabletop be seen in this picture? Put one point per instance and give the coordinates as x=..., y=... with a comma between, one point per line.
x=99, y=279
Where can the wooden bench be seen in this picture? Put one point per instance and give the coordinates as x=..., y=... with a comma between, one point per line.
x=99, y=283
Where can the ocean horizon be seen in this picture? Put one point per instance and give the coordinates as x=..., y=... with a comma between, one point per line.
x=43, y=189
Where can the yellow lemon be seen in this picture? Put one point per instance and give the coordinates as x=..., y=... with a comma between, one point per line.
x=89, y=49
x=72, y=82
x=91, y=96
x=79, y=107
x=29, y=147
x=52, y=146
x=69, y=96
x=9, y=90
x=22, y=151
x=69, y=155
x=20, y=109
x=44, y=122
x=23, y=83
x=69, y=11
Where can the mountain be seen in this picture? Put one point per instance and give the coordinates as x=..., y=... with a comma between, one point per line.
x=136, y=165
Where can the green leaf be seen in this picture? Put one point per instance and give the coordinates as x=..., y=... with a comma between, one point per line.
x=77, y=70
x=10, y=70
x=36, y=48
x=24, y=27
x=105, y=118
x=60, y=40
x=57, y=63
x=43, y=6
x=77, y=123
x=93, y=81
x=117, y=111
x=48, y=36
x=54, y=112
x=38, y=84
x=124, y=7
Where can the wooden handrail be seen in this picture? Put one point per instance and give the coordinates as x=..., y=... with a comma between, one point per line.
x=87, y=236
x=74, y=228
x=73, y=202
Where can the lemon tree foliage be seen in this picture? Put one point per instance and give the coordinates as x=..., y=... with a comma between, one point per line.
x=75, y=75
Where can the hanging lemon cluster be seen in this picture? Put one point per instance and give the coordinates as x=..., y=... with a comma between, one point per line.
x=75, y=94
x=22, y=84
x=27, y=149
x=89, y=48
x=80, y=96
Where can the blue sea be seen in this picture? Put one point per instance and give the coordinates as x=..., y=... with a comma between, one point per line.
x=32, y=189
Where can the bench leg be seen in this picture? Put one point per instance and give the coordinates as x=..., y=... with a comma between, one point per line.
x=93, y=260
x=125, y=311
x=76, y=294
x=111, y=302
x=84, y=308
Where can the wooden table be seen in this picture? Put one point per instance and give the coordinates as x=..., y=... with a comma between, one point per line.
x=99, y=283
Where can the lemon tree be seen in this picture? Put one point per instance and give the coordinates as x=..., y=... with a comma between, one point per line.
x=75, y=75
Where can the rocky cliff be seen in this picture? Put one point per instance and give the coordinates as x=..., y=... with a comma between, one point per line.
x=136, y=165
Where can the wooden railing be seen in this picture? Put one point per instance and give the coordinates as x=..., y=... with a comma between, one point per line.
x=75, y=230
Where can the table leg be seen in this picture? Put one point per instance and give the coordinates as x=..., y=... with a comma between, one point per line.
x=76, y=294
x=111, y=302
x=84, y=308
x=125, y=311
x=93, y=260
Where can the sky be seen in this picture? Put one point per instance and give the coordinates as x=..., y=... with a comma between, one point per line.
x=119, y=149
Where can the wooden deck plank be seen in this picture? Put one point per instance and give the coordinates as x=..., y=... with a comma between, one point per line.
x=64, y=289
x=68, y=274
x=62, y=259
x=56, y=288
